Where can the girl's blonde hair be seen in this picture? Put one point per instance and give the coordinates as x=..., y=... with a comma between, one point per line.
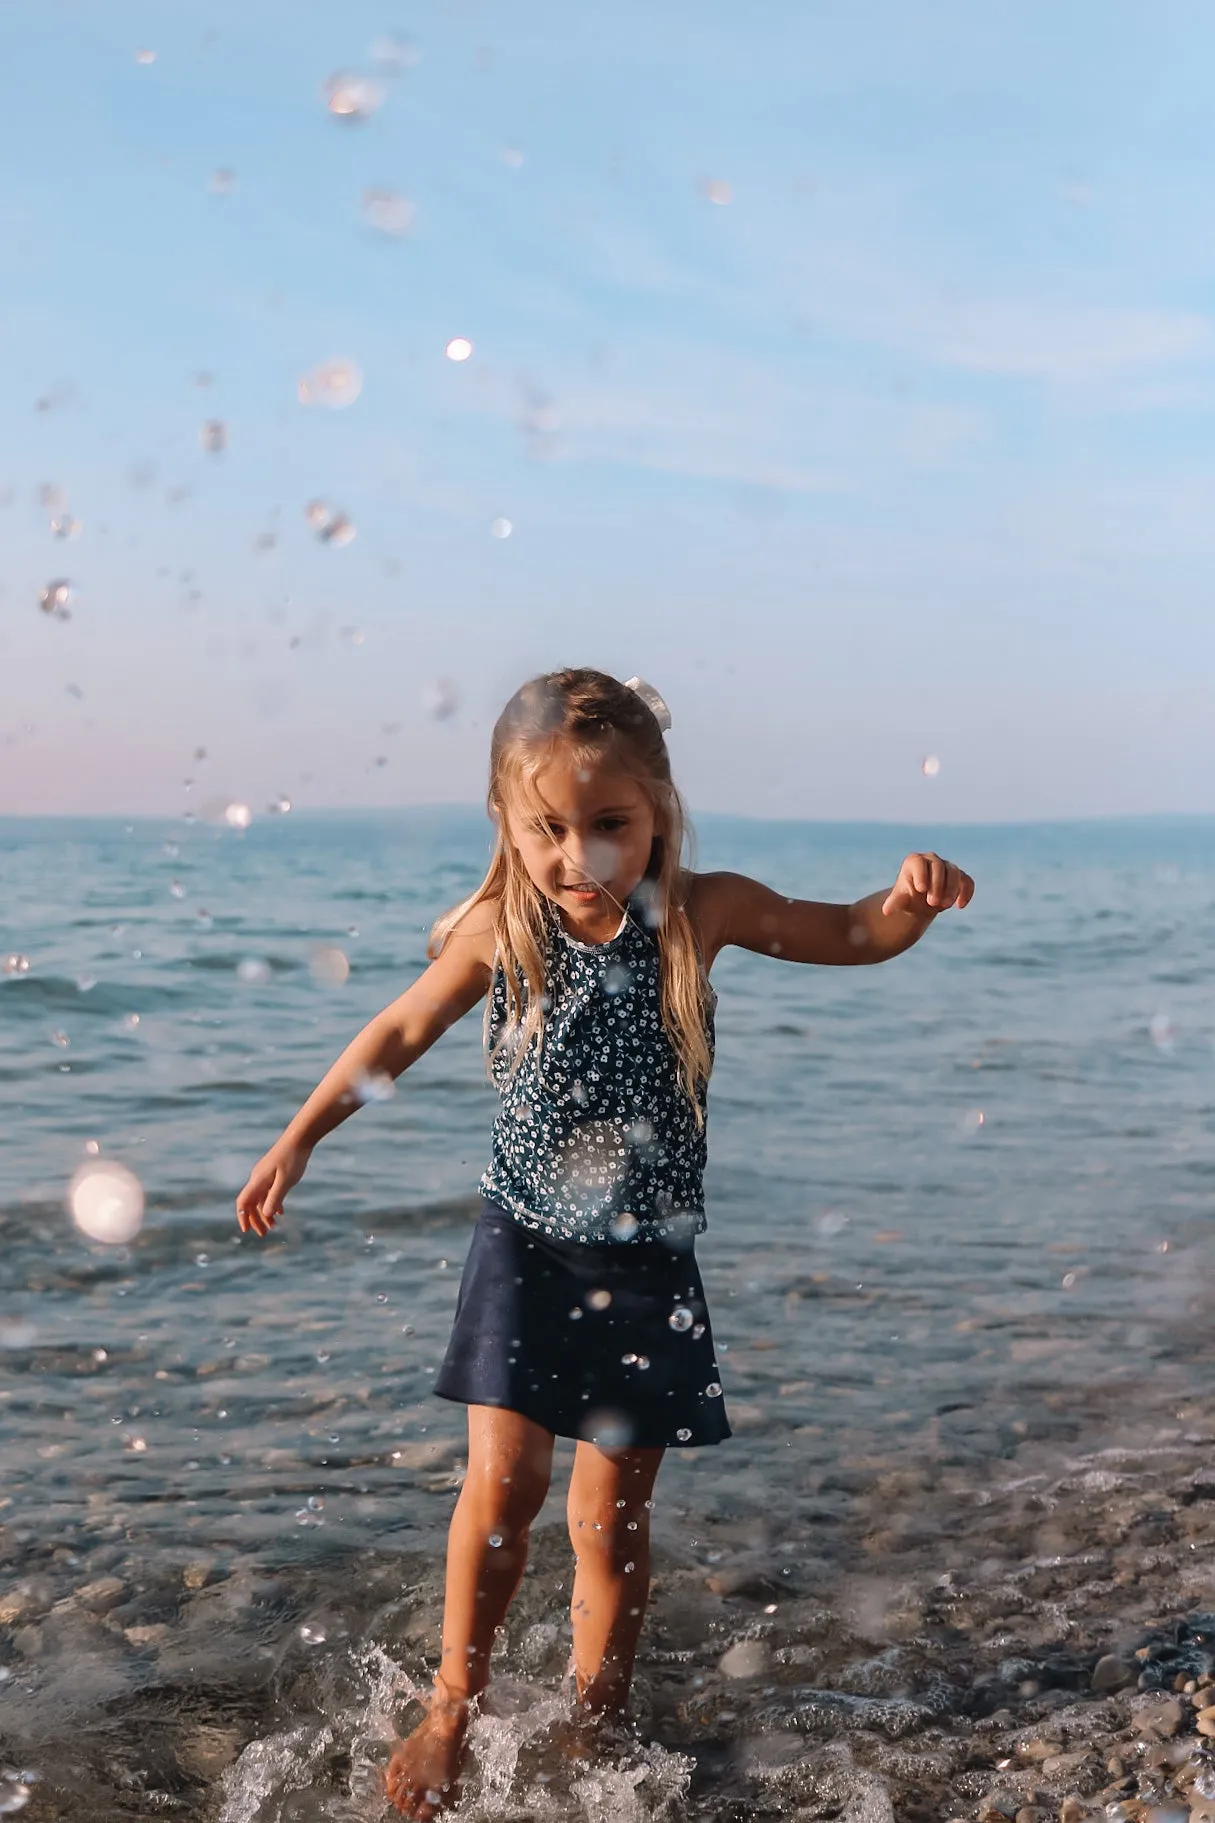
x=590, y=718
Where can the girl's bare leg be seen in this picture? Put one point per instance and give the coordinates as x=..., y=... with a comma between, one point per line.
x=610, y=1529
x=509, y=1463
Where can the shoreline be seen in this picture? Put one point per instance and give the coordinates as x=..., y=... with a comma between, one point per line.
x=1008, y=1630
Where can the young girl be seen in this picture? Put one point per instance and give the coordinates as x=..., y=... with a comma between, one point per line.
x=581, y=1311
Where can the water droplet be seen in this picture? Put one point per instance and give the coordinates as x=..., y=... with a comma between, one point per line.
x=376, y=1085
x=388, y=212
x=223, y=182
x=55, y=597
x=1068, y=1281
x=350, y=97
x=214, y=436
x=617, y=979
x=512, y=156
x=713, y=1390
x=441, y=699
x=253, y=971
x=237, y=815
x=459, y=348
x=629, y=1360
x=973, y=1119
x=930, y=765
x=611, y=1430
x=328, y=965
x=61, y=1039
x=278, y=807
x=106, y=1202
x=698, y=1330
x=336, y=383
x=130, y=1022
x=15, y=965
x=394, y=53
x=716, y=190
x=65, y=526
x=145, y=57
x=643, y=1361
x=680, y=1319
x=501, y=528
x=311, y=1634
x=330, y=526
x=623, y=1227
x=494, y=1541
x=598, y=1299
x=1162, y=1031
x=684, y=1435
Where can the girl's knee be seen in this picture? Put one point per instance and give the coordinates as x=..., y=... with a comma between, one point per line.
x=505, y=1497
x=619, y=1532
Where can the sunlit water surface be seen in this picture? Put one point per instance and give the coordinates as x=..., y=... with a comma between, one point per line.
x=959, y=1214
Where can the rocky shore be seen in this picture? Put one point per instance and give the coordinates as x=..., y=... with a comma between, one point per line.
x=1017, y=1642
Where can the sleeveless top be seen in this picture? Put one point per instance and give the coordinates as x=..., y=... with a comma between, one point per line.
x=595, y=1139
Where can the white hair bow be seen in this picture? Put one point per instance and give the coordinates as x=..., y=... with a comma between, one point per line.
x=652, y=700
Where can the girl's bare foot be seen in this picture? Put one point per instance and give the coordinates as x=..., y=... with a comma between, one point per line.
x=421, y=1777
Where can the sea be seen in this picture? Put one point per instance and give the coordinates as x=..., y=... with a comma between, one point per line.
x=959, y=1257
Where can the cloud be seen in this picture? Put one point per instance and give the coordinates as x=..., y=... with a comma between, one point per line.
x=1065, y=344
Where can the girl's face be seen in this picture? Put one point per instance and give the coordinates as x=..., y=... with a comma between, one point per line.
x=596, y=847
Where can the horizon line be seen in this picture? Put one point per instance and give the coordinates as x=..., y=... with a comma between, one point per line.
x=331, y=811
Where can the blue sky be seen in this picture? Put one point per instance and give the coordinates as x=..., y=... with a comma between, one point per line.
x=905, y=449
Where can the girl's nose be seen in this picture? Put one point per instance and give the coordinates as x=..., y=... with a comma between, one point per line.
x=590, y=857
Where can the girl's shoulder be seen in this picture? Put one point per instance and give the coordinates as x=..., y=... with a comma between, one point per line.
x=707, y=899
x=470, y=931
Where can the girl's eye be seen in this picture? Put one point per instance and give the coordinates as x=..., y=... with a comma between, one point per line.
x=612, y=822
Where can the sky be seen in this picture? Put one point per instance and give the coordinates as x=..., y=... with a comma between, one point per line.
x=847, y=371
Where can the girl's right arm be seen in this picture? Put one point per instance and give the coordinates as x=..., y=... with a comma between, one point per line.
x=394, y=1039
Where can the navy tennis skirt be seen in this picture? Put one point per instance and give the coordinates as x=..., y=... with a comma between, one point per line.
x=609, y=1342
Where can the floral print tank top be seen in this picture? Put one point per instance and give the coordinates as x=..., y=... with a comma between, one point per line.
x=595, y=1139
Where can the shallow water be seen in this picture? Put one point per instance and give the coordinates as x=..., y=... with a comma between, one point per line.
x=959, y=1209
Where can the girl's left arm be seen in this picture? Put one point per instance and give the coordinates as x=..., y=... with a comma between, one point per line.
x=730, y=908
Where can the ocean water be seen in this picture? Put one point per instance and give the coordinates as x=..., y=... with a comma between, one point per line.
x=960, y=1215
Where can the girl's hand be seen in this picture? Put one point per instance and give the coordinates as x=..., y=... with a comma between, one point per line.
x=927, y=885
x=261, y=1200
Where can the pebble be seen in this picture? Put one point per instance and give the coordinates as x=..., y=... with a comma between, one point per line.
x=1113, y=1673
x=1206, y=1722
x=209, y=1750
x=197, y=1575
x=748, y=1658
x=1059, y=1763
x=1040, y=1750
x=742, y=1579
x=999, y=1806
x=103, y=1593
x=1163, y=1713
x=150, y=1635
x=1073, y=1809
